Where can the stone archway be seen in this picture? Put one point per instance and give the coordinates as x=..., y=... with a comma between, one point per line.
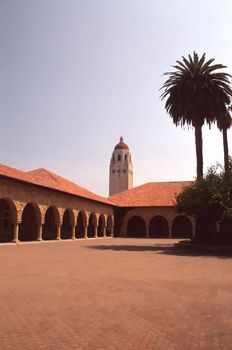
x=8, y=215
x=67, y=225
x=136, y=227
x=182, y=227
x=81, y=225
x=49, y=230
x=158, y=227
x=101, y=226
x=92, y=225
x=31, y=218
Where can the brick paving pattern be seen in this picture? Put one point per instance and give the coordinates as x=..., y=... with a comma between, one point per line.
x=113, y=294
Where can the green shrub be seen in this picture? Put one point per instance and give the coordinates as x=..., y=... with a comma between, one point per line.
x=209, y=200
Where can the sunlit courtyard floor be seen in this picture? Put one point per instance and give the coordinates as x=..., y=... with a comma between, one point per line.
x=114, y=294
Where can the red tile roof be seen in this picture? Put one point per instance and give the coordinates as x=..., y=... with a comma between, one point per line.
x=152, y=194
x=46, y=178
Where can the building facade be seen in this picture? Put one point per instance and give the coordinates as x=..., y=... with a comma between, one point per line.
x=52, y=209
x=39, y=205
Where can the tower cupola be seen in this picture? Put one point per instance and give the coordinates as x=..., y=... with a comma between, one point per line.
x=121, y=145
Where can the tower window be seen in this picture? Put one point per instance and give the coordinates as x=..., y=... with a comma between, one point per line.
x=124, y=171
x=118, y=171
x=125, y=158
x=113, y=171
x=119, y=157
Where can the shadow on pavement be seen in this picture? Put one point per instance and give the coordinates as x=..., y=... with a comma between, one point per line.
x=163, y=249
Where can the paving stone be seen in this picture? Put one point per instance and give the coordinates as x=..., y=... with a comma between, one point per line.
x=114, y=294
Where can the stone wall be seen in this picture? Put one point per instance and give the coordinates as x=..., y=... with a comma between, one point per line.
x=19, y=196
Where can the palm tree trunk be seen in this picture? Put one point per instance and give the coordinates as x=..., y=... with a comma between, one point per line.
x=198, y=143
x=226, y=151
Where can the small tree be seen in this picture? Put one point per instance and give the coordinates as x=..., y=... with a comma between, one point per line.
x=209, y=201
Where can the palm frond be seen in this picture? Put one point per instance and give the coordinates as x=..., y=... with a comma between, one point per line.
x=197, y=91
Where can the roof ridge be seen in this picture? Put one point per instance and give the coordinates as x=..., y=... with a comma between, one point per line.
x=56, y=177
x=50, y=173
x=10, y=167
x=59, y=183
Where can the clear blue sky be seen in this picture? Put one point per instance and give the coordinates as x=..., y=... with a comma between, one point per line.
x=76, y=75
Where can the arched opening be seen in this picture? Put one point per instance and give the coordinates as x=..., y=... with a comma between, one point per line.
x=101, y=225
x=28, y=229
x=109, y=226
x=49, y=230
x=136, y=227
x=182, y=227
x=7, y=219
x=66, y=227
x=81, y=224
x=158, y=227
x=92, y=225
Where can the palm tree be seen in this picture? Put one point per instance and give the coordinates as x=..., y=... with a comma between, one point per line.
x=197, y=94
x=223, y=125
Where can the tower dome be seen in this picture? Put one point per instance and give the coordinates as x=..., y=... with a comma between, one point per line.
x=121, y=144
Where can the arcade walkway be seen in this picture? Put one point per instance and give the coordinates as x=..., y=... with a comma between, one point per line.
x=113, y=294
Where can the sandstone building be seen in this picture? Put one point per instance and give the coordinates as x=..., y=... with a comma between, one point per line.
x=40, y=205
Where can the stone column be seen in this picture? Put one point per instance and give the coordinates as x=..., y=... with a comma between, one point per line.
x=39, y=233
x=112, y=231
x=147, y=231
x=73, y=232
x=95, y=232
x=85, y=231
x=194, y=228
x=169, y=230
x=104, y=232
x=16, y=233
x=58, y=232
x=218, y=224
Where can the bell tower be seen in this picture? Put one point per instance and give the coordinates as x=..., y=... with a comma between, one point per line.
x=121, y=169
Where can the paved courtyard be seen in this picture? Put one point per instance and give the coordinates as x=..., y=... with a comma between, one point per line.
x=113, y=294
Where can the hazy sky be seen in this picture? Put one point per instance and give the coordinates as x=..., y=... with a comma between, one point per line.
x=75, y=75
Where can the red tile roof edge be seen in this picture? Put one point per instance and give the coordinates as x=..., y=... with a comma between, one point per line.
x=29, y=177
x=134, y=197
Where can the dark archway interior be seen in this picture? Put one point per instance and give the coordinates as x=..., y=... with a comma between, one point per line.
x=136, y=227
x=91, y=226
x=206, y=229
x=158, y=227
x=49, y=226
x=226, y=231
x=6, y=222
x=28, y=229
x=100, y=229
x=182, y=227
x=66, y=228
x=79, y=230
